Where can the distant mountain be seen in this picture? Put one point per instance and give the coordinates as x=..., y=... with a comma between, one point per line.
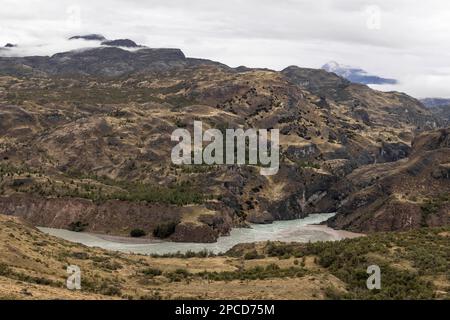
x=440, y=107
x=89, y=37
x=435, y=102
x=100, y=61
x=356, y=75
x=127, y=43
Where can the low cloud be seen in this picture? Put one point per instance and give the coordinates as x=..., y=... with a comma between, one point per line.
x=405, y=40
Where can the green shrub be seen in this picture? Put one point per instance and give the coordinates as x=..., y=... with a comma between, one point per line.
x=177, y=275
x=253, y=255
x=80, y=255
x=4, y=269
x=137, y=233
x=164, y=230
x=152, y=272
x=259, y=272
x=188, y=254
x=111, y=290
x=111, y=265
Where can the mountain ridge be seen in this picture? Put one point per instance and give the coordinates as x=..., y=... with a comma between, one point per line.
x=357, y=75
x=118, y=109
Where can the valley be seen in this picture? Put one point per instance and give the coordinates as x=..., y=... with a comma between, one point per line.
x=85, y=155
x=182, y=159
x=414, y=263
x=85, y=145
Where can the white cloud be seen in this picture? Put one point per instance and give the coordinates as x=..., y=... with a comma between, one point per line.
x=409, y=40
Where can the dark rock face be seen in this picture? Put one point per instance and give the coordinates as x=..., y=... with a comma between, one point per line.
x=362, y=115
x=111, y=217
x=390, y=152
x=127, y=43
x=191, y=232
x=260, y=217
x=439, y=139
x=392, y=215
x=340, y=167
x=89, y=37
x=10, y=45
x=288, y=208
x=442, y=172
x=220, y=222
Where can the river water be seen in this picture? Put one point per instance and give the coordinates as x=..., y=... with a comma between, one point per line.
x=300, y=230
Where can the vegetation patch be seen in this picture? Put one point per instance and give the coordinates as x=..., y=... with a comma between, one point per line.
x=137, y=233
x=165, y=230
x=152, y=272
x=348, y=260
x=256, y=273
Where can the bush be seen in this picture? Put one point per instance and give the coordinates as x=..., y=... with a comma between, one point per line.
x=269, y=272
x=137, y=233
x=188, y=254
x=177, y=275
x=111, y=266
x=152, y=272
x=78, y=226
x=251, y=255
x=164, y=230
x=111, y=290
x=309, y=165
x=4, y=269
x=80, y=255
x=181, y=194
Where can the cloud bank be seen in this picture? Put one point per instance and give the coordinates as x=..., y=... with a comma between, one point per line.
x=400, y=39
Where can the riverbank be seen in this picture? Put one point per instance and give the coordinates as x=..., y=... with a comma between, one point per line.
x=300, y=230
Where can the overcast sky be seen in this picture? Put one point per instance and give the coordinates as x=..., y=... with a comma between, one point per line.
x=408, y=40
